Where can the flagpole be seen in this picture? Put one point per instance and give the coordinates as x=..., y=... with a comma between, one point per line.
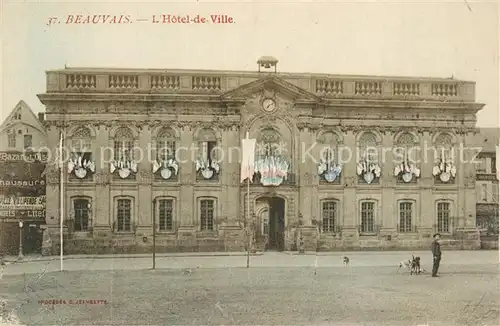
x=248, y=216
x=61, y=198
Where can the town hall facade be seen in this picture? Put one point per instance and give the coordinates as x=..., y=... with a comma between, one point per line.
x=129, y=135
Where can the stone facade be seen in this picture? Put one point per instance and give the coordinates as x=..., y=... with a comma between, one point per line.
x=305, y=111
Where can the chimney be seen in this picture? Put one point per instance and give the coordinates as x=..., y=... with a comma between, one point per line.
x=41, y=116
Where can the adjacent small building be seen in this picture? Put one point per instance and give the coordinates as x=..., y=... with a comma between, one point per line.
x=22, y=182
x=487, y=187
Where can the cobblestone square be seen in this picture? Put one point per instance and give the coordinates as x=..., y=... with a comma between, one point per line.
x=362, y=294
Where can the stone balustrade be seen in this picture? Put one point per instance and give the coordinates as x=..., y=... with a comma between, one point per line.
x=78, y=80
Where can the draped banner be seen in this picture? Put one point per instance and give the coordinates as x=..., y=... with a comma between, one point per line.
x=247, y=158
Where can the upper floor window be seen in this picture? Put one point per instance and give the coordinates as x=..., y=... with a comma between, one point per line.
x=11, y=139
x=124, y=215
x=166, y=214
x=367, y=217
x=28, y=141
x=81, y=209
x=166, y=145
x=367, y=147
x=406, y=144
x=494, y=165
x=484, y=192
x=207, y=214
x=207, y=144
x=269, y=144
x=329, y=211
x=443, y=217
x=444, y=148
x=124, y=145
x=405, y=216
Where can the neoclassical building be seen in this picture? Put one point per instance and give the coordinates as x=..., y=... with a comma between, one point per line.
x=162, y=145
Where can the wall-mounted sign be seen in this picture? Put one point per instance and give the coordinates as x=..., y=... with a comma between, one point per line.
x=486, y=177
x=13, y=202
x=22, y=183
x=28, y=157
x=22, y=214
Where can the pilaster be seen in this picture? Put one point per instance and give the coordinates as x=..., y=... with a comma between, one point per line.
x=427, y=205
x=102, y=215
x=144, y=178
x=460, y=180
x=349, y=199
x=52, y=176
x=187, y=177
x=230, y=174
x=307, y=192
x=388, y=183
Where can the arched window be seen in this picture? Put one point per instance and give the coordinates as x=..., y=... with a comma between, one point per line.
x=444, y=148
x=268, y=143
x=330, y=147
x=81, y=144
x=406, y=150
x=166, y=145
x=124, y=145
x=207, y=144
x=368, y=147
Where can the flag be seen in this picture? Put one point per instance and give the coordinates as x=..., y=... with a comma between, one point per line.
x=247, y=158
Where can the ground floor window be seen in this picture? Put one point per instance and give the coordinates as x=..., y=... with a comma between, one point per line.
x=329, y=215
x=405, y=216
x=443, y=217
x=166, y=214
x=207, y=214
x=368, y=217
x=124, y=215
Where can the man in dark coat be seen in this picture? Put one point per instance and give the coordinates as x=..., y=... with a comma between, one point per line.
x=436, y=254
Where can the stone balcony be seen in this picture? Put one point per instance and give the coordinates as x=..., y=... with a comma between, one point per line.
x=155, y=81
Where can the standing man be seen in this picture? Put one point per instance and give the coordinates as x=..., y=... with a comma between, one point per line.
x=436, y=254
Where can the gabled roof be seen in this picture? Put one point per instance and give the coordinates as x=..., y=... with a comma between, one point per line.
x=270, y=82
x=25, y=110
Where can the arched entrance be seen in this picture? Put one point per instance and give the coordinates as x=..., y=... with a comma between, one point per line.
x=271, y=223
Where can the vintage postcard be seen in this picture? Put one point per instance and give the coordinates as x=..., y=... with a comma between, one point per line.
x=249, y=163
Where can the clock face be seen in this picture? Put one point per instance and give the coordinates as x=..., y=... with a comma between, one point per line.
x=269, y=105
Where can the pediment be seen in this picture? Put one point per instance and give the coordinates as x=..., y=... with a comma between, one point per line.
x=273, y=84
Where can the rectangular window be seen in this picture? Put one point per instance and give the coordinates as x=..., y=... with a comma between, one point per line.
x=12, y=139
x=123, y=150
x=124, y=215
x=28, y=141
x=81, y=208
x=329, y=215
x=494, y=192
x=405, y=216
x=443, y=217
x=484, y=192
x=166, y=214
x=207, y=214
x=493, y=165
x=367, y=217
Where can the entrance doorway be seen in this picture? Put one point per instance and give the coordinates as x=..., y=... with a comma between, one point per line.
x=271, y=215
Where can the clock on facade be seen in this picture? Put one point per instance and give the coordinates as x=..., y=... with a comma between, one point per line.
x=269, y=105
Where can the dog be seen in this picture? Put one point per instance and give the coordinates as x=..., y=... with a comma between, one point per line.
x=346, y=261
x=415, y=265
x=406, y=264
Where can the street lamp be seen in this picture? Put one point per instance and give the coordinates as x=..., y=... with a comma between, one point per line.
x=20, y=257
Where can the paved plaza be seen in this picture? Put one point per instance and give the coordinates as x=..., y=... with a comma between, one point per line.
x=278, y=288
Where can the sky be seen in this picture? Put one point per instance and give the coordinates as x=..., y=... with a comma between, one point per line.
x=397, y=38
